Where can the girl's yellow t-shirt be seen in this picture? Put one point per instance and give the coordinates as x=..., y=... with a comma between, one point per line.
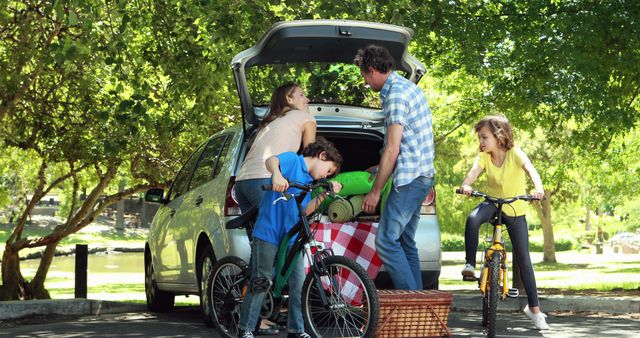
x=508, y=180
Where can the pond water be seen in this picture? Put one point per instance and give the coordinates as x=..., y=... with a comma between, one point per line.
x=110, y=276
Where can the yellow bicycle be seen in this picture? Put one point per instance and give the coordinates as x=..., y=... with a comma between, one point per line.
x=493, y=281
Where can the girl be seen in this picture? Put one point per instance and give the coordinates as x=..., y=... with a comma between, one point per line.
x=505, y=167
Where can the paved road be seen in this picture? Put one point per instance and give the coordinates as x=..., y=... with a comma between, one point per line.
x=185, y=322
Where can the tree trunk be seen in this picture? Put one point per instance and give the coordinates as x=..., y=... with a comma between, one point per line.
x=543, y=208
x=37, y=284
x=13, y=284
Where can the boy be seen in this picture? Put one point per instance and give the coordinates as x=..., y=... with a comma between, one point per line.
x=276, y=217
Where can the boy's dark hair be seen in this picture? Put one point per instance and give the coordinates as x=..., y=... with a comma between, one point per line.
x=323, y=145
x=376, y=57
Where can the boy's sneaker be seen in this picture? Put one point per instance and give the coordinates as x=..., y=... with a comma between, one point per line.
x=245, y=334
x=298, y=335
x=537, y=318
x=469, y=271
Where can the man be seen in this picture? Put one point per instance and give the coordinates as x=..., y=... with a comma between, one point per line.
x=408, y=155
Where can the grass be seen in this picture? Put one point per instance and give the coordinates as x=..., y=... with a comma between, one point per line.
x=575, y=271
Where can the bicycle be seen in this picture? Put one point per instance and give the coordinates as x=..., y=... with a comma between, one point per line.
x=339, y=298
x=493, y=278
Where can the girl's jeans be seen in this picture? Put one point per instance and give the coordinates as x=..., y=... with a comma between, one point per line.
x=263, y=254
x=518, y=232
x=395, y=240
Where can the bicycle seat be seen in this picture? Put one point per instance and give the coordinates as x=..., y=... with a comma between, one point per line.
x=243, y=219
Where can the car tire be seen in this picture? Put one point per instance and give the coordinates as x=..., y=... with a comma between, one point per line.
x=157, y=300
x=207, y=260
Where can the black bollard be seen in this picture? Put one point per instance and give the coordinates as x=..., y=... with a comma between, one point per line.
x=81, y=270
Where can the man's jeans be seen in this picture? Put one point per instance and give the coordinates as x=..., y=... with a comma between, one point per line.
x=263, y=255
x=395, y=241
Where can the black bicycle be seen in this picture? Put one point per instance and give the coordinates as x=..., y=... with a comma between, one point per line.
x=493, y=278
x=339, y=299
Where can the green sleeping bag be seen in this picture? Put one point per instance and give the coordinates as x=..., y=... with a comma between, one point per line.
x=357, y=183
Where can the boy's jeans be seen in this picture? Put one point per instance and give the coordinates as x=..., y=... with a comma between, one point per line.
x=262, y=259
x=395, y=241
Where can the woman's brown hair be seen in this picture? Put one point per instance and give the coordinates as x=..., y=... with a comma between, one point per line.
x=500, y=127
x=279, y=105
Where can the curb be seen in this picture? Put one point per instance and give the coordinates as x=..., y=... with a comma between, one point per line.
x=611, y=305
x=75, y=307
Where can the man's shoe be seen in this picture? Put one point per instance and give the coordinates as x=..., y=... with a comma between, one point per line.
x=245, y=334
x=298, y=335
x=469, y=271
x=538, y=318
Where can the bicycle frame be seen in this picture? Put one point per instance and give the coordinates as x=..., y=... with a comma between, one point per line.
x=285, y=258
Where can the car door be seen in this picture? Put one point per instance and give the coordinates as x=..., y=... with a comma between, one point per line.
x=201, y=207
x=166, y=246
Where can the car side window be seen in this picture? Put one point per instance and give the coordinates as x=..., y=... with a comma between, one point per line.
x=212, y=158
x=181, y=182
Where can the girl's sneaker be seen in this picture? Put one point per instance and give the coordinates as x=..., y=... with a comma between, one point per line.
x=538, y=319
x=469, y=271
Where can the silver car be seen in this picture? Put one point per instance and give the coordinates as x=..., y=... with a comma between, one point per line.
x=188, y=234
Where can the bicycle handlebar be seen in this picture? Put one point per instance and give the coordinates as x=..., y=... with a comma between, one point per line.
x=327, y=185
x=499, y=200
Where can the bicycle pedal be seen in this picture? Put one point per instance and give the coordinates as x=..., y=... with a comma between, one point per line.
x=513, y=293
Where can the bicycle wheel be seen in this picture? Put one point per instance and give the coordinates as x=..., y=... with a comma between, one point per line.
x=353, y=307
x=494, y=293
x=225, y=292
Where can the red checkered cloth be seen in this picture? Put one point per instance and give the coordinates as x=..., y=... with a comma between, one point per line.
x=355, y=240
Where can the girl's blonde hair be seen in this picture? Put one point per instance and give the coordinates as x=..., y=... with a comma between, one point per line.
x=499, y=127
x=279, y=105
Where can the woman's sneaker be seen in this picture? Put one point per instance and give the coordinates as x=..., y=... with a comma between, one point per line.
x=469, y=271
x=538, y=319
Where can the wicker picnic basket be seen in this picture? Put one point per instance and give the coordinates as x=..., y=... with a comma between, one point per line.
x=405, y=313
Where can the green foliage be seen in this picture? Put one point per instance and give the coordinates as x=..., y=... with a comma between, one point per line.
x=536, y=244
x=452, y=242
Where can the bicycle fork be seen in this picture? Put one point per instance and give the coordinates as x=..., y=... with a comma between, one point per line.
x=503, y=273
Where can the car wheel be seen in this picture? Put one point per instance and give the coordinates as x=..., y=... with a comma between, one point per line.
x=206, y=267
x=157, y=300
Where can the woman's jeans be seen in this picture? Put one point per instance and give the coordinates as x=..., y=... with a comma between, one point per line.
x=518, y=232
x=263, y=255
x=395, y=240
x=249, y=193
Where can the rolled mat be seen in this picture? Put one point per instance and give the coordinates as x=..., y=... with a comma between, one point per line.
x=343, y=210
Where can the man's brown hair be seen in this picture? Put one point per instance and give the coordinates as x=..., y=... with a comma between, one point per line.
x=376, y=57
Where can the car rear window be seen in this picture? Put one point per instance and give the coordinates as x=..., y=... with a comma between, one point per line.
x=329, y=83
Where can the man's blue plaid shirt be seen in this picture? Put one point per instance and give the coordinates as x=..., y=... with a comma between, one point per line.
x=404, y=103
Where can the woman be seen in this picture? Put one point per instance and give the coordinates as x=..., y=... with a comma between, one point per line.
x=287, y=126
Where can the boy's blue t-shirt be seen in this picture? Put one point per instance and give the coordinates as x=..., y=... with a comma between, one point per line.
x=277, y=216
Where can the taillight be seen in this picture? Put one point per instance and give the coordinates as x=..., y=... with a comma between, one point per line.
x=231, y=207
x=429, y=204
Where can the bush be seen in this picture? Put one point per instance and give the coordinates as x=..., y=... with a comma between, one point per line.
x=452, y=242
x=536, y=244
